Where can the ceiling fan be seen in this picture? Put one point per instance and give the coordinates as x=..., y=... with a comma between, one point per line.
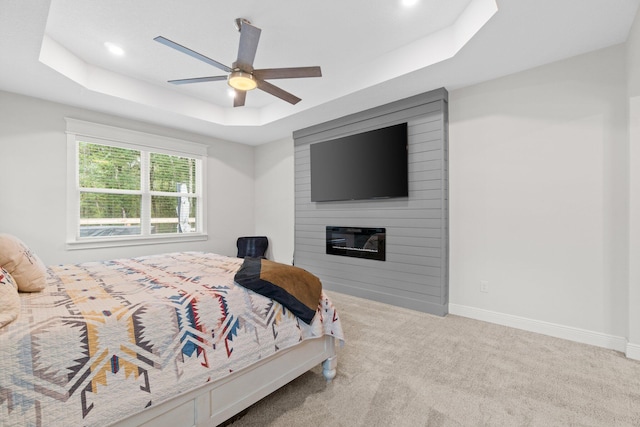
x=242, y=76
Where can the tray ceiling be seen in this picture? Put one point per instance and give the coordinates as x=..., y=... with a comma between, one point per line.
x=371, y=52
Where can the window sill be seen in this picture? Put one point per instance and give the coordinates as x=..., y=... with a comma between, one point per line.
x=114, y=242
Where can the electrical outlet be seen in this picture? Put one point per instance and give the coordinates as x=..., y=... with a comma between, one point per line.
x=484, y=286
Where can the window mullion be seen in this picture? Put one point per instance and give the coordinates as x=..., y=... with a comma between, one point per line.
x=172, y=194
x=108, y=191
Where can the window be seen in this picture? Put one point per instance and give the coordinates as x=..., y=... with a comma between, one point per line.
x=128, y=187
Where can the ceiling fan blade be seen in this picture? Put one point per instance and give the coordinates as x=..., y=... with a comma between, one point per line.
x=238, y=100
x=197, y=80
x=249, y=38
x=287, y=73
x=276, y=91
x=192, y=53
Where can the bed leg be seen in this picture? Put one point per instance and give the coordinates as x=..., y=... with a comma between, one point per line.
x=329, y=368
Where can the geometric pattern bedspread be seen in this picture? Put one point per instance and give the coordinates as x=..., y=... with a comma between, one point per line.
x=105, y=340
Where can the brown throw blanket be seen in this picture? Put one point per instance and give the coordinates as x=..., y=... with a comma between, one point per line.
x=295, y=288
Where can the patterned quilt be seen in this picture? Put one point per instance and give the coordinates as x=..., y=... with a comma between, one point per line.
x=104, y=340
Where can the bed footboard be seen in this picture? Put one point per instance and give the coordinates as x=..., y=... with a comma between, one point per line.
x=216, y=402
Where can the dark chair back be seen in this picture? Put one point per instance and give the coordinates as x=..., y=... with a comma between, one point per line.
x=252, y=246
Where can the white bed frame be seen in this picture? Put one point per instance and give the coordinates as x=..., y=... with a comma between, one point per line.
x=216, y=402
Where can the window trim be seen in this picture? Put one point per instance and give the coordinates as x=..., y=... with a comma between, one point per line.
x=79, y=130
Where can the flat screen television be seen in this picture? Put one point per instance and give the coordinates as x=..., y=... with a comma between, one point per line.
x=368, y=165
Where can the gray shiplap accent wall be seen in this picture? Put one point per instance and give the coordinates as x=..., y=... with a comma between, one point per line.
x=415, y=273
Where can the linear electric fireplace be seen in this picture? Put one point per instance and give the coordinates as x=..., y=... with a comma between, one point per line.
x=358, y=242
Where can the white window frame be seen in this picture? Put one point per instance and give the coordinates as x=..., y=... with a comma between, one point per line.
x=82, y=131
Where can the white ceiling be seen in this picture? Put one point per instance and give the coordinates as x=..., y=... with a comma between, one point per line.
x=371, y=52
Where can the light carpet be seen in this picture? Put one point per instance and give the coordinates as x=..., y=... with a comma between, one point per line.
x=400, y=367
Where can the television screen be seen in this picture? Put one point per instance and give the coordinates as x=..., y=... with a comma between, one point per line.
x=367, y=165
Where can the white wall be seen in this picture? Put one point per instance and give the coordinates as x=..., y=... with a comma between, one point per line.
x=633, y=82
x=33, y=182
x=274, y=201
x=538, y=199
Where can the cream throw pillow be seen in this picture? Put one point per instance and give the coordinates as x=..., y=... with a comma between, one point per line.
x=9, y=299
x=25, y=266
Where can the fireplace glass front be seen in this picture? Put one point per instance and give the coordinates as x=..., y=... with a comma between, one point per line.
x=358, y=242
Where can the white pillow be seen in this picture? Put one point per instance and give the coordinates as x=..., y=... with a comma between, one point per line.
x=9, y=299
x=26, y=268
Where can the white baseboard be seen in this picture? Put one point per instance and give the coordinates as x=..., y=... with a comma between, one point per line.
x=633, y=351
x=552, y=329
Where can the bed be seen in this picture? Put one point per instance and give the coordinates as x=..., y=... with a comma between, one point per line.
x=168, y=339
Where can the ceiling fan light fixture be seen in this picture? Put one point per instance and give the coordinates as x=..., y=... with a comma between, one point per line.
x=240, y=80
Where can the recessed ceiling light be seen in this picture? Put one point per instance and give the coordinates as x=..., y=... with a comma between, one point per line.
x=231, y=92
x=114, y=49
x=408, y=3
